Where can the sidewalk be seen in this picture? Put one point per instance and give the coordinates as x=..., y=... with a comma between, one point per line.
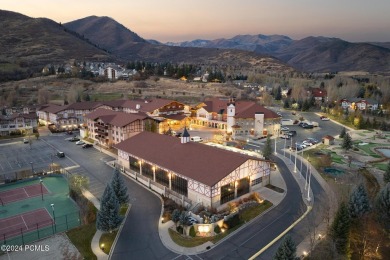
x=266, y=193
x=95, y=240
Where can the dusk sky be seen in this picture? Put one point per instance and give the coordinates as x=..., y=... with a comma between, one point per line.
x=178, y=20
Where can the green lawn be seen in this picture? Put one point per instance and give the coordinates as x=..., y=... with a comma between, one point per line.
x=381, y=166
x=106, y=96
x=337, y=158
x=81, y=237
x=368, y=149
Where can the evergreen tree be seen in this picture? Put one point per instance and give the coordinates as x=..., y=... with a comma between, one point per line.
x=108, y=218
x=306, y=105
x=278, y=93
x=367, y=124
x=382, y=206
x=340, y=229
x=347, y=142
x=287, y=250
x=383, y=126
x=267, y=150
x=343, y=132
x=386, y=175
x=286, y=103
x=119, y=187
x=358, y=202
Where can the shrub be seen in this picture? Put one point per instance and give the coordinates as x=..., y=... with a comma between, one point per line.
x=192, y=231
x=179, y=229
x=217, y=229
x=233, y=221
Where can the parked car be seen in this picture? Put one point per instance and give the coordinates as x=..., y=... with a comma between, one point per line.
x=87, y=145
x=74, y=139
x=302, y=145
x=307, y=126
x=294, y=113
x=196, y=139
x=69, y=132
x=284, y=129
x=178, y=134
x=315, y=141
x=25, y=140
x=60, y=154
x=308, y=143
x=80, y=143
x=297, y=147
x=292, y=133
x=324, y=118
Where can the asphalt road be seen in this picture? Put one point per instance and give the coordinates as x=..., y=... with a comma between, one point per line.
x=139, y=238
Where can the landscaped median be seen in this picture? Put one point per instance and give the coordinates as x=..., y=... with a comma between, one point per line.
x=213, y=230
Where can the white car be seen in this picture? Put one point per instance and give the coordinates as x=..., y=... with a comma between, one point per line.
x=80, y=142
x=324, y=118
x=284, y=129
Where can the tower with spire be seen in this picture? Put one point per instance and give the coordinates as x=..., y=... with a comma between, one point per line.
x=185, y=138
x=231, y=112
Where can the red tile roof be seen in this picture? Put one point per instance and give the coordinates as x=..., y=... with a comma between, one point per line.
x=197, y=161
x=114, y=117
x=244, y=109
x=147, y=105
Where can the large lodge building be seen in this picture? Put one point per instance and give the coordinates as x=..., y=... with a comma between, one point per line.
x=191, y=171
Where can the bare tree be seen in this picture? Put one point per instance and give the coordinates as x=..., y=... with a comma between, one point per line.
x=43, y=96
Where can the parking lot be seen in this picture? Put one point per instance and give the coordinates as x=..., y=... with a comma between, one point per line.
x=16, y=156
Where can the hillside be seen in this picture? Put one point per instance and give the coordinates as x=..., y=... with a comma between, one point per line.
x=311, y=54
x=27, y=44
x=321, y=54
x=127, y=45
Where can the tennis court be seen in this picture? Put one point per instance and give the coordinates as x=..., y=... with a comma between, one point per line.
x=22, y=193
x=26, y=222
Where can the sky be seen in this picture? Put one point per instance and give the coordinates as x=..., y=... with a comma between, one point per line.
x=178, y=20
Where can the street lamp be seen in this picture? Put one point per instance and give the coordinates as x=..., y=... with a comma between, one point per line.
x=40, y=182
x=307, y=171
x=290, y=149
x=54, y=215
x=295, y=165
x=308, y=187
x=102, y=246
x=275, y=146
x=284, y=150
x=32, y=167
x=300, y=175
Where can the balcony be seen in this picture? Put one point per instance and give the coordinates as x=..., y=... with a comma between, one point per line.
x=101, y=137
x=101, y=126
x=101, y=131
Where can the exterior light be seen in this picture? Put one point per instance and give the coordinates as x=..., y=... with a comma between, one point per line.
x=153, y=168
x=304, y=253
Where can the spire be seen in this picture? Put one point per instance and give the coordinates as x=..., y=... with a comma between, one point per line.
x=185, y=138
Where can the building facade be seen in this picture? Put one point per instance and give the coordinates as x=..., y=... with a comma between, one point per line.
x=239, y=118
x=200, y=173
x=18, y=123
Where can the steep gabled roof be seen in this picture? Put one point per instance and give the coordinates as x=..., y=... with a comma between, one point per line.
x=197, y=161
x=115, y=118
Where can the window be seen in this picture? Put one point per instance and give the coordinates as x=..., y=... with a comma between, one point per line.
x=227, y=193
x=257, y=181
x=242, y=187
x=179, y=184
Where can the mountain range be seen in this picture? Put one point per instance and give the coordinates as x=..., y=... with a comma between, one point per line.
x=311, y=54
x=27, y=44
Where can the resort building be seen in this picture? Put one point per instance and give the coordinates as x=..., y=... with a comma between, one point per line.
x=239, y=118
x=18, y=123
x=189, y=172
x=109, y=127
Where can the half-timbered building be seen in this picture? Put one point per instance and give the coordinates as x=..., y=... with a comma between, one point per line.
x=202, y=174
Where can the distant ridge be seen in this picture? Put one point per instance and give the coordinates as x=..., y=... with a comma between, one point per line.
x=311, y=54
x=27, y=44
